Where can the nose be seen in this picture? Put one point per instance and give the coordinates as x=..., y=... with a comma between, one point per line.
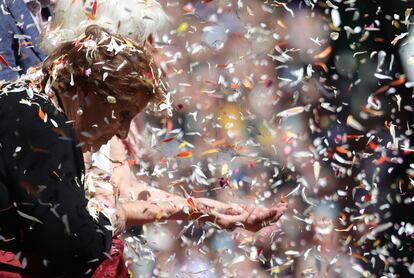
x=122, y=134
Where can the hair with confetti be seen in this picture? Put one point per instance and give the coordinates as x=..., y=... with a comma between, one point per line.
x=135, y=19
x=109, y=65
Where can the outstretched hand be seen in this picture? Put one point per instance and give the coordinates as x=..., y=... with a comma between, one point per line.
x=249, y=217
x=260, y=217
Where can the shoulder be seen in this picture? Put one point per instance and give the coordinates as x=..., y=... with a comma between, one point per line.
x=19, y=96
x=23, y=106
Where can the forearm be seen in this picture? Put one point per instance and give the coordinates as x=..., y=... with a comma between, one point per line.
x=176, y=208
x=140, y=191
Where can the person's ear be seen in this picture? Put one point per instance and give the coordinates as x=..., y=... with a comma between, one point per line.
x=149, y=41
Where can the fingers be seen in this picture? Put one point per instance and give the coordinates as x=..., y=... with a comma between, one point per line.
x=227, y=221
x=261, y=217
x=250, y=217
x=279, y=210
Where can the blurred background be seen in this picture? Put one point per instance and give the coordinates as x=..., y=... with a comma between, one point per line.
x=307, y=101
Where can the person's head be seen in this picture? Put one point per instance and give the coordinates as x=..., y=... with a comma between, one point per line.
x=103, y=81
x=135, y=19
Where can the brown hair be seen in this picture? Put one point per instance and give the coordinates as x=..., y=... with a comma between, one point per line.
x=108, y=65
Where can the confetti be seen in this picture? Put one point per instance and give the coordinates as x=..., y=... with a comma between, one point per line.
x=184, y=154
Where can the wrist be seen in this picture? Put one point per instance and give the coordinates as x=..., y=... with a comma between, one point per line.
x=204, y=210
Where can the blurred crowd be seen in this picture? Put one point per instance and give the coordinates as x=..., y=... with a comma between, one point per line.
x=232, y=67
x=274, y=101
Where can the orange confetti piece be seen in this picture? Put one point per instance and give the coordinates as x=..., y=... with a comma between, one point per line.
x=323, y=66
x=132, y=162
x=291, y=112
x=325, y=53
x=372, y=112
x=342, y=150
x=185, y=154
x=170, y=125
x=41, y=114
x=399, y=81
x=192, y=204
x=281, y=24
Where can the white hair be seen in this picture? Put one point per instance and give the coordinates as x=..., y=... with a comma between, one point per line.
x=135, y=19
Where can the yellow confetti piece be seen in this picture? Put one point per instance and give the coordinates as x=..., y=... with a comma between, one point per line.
x=249, y=11
x=182, y=28
x=182, y=145
x=350, y=121
x=210, y=151
x=224, y=169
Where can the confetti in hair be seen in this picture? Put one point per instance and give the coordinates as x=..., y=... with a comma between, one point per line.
x=72, y=17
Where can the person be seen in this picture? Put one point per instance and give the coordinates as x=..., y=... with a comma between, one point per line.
x=86, y=91
x=21, y=22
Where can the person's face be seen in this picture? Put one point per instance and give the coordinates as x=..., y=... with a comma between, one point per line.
x=101, y=120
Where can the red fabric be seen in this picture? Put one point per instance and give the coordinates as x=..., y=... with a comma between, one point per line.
x=9, y=258
x=109, y=268
x=114, y=267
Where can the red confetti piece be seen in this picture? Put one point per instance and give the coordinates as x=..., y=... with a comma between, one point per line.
x=94, y=8
x=367, y=197
x=169, y=139
x=3, y=61
x=185, y=154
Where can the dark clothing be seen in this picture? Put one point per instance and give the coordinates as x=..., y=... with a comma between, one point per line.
x=43, y=203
